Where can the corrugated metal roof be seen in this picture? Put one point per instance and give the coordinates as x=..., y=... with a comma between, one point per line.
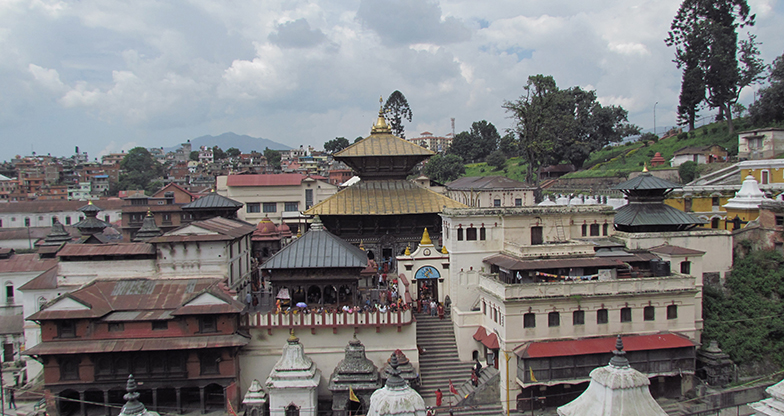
x=382, y=144
x=652, y=214
x=136, y=295
x=281, y=179
x=675, y=250
x=45, y=280
x=137, y=344
x=384, y=197
x=46, y=206
x=646, y=181
x=112, y=249
x=128, y=316
x=212, y=200
x=11, y=324
x=318, y=248
x=601, y=345
x=227, y=230
x=30, y=262
x=512, y=263
x=486, y=182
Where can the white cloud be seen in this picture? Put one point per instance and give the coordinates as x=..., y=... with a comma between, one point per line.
x=303, y=72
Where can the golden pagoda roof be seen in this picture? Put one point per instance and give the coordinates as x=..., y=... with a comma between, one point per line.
x=383, y=144
x=384, y=197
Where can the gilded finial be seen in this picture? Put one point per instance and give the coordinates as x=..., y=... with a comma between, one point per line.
x=149, y=212
x=89, y=202
x=408, y=251
x=645, y=167
x=292, y=337
x=443, y=250
x=426, y=238
x=381, y=123
x=361, y=245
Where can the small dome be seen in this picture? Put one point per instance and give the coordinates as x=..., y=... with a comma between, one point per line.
x=284, y=230
x=266, y=230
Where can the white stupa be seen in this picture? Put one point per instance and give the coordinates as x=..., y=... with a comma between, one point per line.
x=615, y=390
x=396, y=398
x=749, y=197
x=293, y=382
x=773, y=406
x=547, y=202
x=255, y=399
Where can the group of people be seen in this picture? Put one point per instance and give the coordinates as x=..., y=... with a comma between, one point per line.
x=431, y=306
x=383, y=307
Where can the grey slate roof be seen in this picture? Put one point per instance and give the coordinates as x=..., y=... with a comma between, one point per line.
x=213, y=200
x=653, y=214
x=486, y=182
x=646, y=181
x=318, y=248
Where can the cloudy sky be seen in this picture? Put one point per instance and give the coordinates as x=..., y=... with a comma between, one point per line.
x=111, y=75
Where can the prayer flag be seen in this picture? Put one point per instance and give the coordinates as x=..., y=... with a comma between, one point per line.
x=351, y=396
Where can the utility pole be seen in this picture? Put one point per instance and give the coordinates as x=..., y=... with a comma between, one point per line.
x=2, y=394
x=654, y=119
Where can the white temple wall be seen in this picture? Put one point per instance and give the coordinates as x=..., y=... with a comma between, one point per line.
x=325, y=348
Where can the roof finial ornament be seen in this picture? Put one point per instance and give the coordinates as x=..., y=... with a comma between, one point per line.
x=292, y=337
x=408, y=251
x=619, y=355
x=644, y=167
x=381, y=123
x=426, y=238
x=443, y=250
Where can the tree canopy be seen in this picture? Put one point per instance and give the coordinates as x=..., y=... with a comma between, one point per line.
x=554, y=125
x=476, y=144
x=273, y=157
x=335, y=145
x=396, y=108
x=444, y=168
x=769, y=107
x=218, y=153
x=715, y=63
x=139, y=170
x=233, y=152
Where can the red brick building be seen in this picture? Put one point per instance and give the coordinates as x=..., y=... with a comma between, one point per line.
x=178, y=337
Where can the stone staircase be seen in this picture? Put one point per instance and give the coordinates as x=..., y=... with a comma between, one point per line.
x=438, y=363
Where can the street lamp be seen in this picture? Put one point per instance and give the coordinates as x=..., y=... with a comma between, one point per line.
x=654, y=119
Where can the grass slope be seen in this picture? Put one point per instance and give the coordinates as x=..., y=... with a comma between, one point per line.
x=624, y=159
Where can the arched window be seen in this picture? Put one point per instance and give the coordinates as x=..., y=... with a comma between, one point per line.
x=292, y=410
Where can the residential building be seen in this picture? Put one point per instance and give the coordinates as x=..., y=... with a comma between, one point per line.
x=760, y=144
x=491, y=191
x=280, y=197
x=179, y=337
x=438, y=144
x=701, y=155
x=42, y=213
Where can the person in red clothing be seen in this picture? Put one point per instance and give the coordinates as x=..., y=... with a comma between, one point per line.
x=439, y=396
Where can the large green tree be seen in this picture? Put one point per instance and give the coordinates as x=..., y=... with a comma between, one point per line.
x=397, y=109
x=588, y=126
x=769, y=107
x=705, y=35
x=537, y=121
x=273, y=157
x=444, y=168
x=335, y=145
x=476, y=144
x=139, y=170
x=553, y=125
x=233, y=152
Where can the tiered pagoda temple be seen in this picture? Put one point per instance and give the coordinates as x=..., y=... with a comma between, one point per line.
x=384, y=211
x=646, y=210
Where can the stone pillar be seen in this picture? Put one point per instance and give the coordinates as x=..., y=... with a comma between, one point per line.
x=201, y=400
x=107, y=409
x=178, y=391
x=155, y=399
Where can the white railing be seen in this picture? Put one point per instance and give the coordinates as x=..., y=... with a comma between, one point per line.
x=330, y=319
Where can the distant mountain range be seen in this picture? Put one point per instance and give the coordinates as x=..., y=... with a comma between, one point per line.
x=243, y=142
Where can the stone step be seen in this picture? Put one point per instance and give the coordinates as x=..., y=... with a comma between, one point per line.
x=479, y=410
